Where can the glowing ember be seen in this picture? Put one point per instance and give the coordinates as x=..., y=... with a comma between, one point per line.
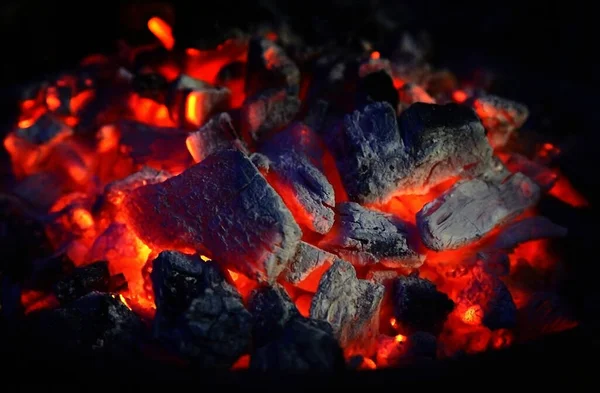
x=162, y=31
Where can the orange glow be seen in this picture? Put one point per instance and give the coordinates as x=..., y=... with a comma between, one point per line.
x=162, y=31
x=271, y=36
x=473, y=315
x=242, y=363
x=26, y=123
x=52, y=100
x=206, y=259
x=398, y=83
x=191, y=108
x=393, y=323
x=303, y=304
x=79, y=101
x=149, y=111
x=234, y=276
x=367, y=364
x=122, y=299
x=35, y=300
x=564, y=191
x=375, y=55
x=400, y=338
x=459, y=96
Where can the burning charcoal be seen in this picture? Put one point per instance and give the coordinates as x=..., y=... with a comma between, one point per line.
x=494, y=261
x=45, y=129
x=532, y=228
x=379, y=86
x=501, y=117
x=382, y=276
x=350, y=305
x=58, y=99
x=471, y=209
x=305, y=190
x=401, y=350
x=298, y=138
x=217, y=134
x=544, y=313
x=269, y=67
x=192, y=101
x=115, y=192
x=97, y=323
x=307, y=260
x=83, y=280
x=46, y=272
x=304, y=345
x=419, y=306
x=411, y=93
x=543, y=176
x=235, y=216
x=272, y=309
x=486, y=299
x=443, y=141
x=41, y=189
x=178, y=279
x=161, y=148
x=366, y=237
x=267, y=112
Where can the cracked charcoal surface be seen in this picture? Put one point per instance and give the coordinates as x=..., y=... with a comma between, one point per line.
x=471, y=209
x=304, y=344
x=269, y=66
x=305, y=190
x=266, y=112
x=307, y=259
x=94, y=323
x=116, y=191
x=215, y=135
x=532, y=228
x=198, y=314
x=489, y=292
x=364, y=237
x=236, y=216
x=272, y=309
x=419, y=306
x=83, y=280
x=500, y=116
x=350, y=305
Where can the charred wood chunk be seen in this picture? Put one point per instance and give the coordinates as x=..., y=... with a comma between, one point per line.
x=235, y=216
x=97, y=323
x=308, y=259
x=268, y=66
x=304, y=189
x=267, y=112
x=543, y=176
x=487, y=300
x=350, y=305
x=83, y=280
x=272, y=309
x=378, y=86
x=214, y=331
x=471, y=209
x=162, y=148
x=178, y=278
x=419, y=306
x=533, y=228
x=192, y=101
x=217, y=134
x=365, y=237
x=299, y=138
x=500, y=116
x=369, y=153
x=304, y=344
x=115, y=192
x=443, y=141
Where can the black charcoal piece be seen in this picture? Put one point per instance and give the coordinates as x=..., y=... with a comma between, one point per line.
x=83, y=280
x=378, y=86
x=421, y=346
x=307, y=259
x=500, y=116
x=419, y=306
x=532, y=228
x=269, y=67
x=492, y=299
x=47, y=271
x=304, y=345
x=116, y=190
x=150, y=85
x=216, y=134
x=45, y=129
x=299, y=138
x=267, y=112
x=471, y=209
x=366, y=237
x=271, y=309
x=97, y=323
x=350, y=305
x=234, y=217
x=304, y=189
x=494, y=261
x=544, y=313
x=178, y=278
x=543, y=176
x=41, y=189
x=443, y=141
x=162, y=148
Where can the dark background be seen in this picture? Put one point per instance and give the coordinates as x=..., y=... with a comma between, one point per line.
x=543, y=55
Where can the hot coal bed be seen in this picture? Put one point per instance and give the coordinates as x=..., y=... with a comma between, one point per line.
x=274, y=206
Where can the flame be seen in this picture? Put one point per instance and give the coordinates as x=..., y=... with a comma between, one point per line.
x=162, y=31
